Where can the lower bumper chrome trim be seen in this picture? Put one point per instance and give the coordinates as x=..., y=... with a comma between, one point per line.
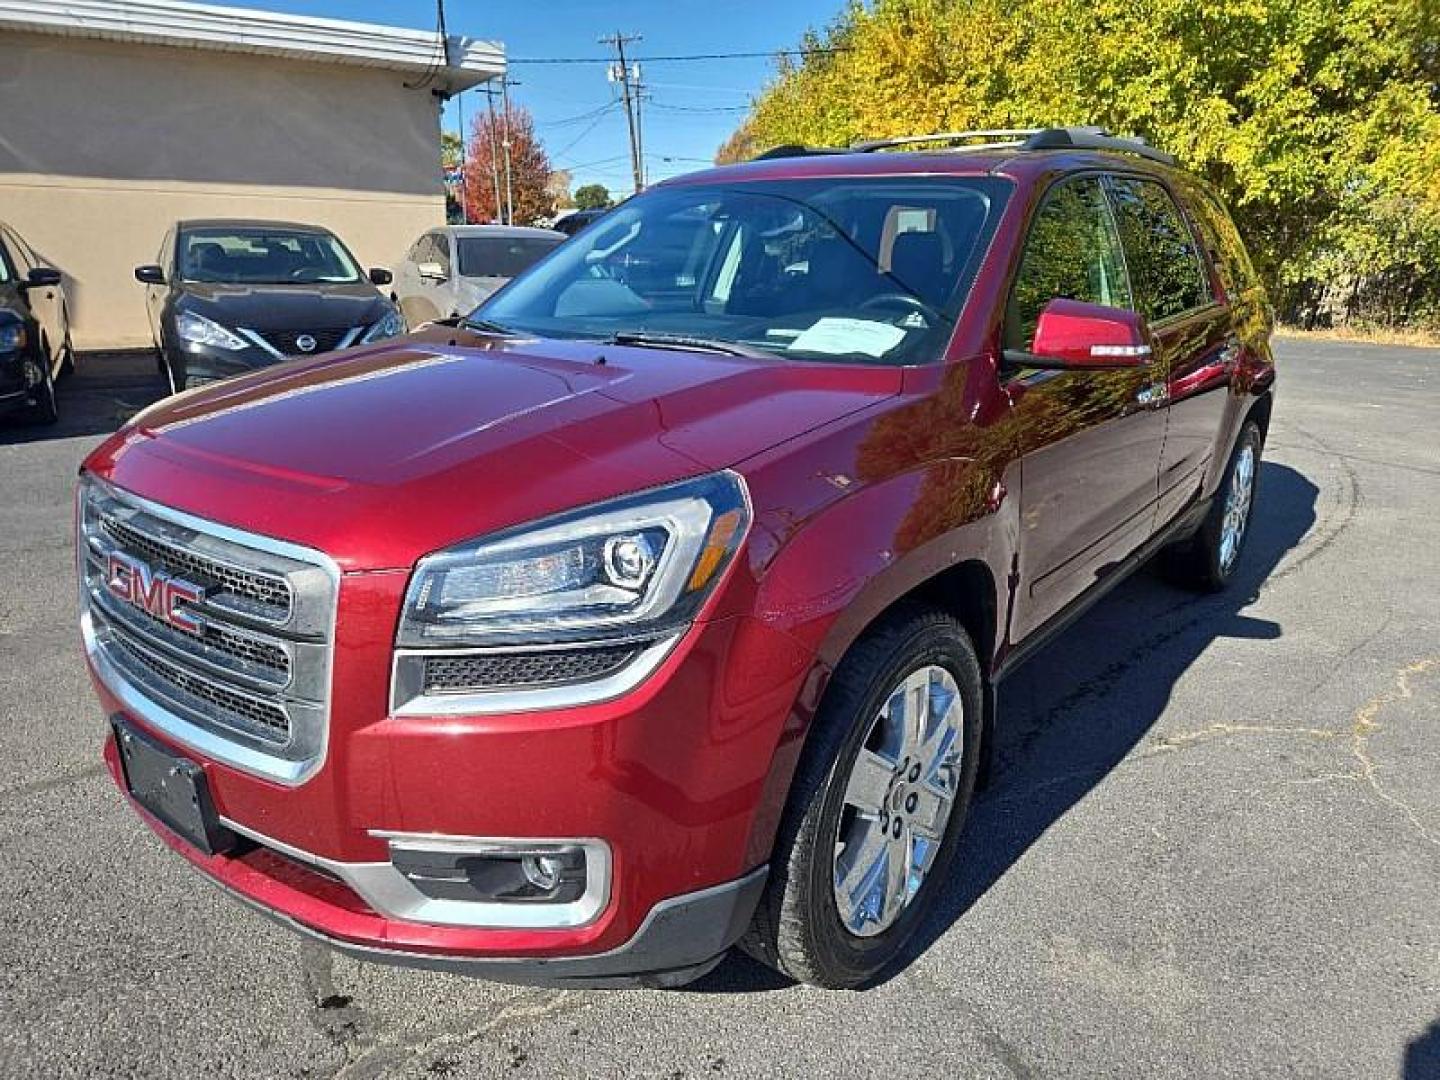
x=391, y=893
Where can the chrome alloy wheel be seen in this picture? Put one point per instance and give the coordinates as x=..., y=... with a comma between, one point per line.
x=898, y=800
x=1237, y=506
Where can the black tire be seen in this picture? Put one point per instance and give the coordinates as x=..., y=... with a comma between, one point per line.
x=67, y=353
x=174, y=381
x=798, y=928
x=46, y=408
x=1200, y=562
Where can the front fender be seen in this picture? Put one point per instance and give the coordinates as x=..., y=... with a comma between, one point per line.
x=826, y=579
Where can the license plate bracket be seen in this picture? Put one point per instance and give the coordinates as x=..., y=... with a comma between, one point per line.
x=173, y=788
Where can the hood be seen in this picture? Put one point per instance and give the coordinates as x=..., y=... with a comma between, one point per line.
x=383, y=454
x=284, y=307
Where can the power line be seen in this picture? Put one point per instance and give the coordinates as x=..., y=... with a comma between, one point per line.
x=578, y=117
x=674, y=59
x=588, y=129
x=699, y=108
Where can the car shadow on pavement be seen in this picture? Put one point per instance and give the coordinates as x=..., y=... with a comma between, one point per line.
x=1422, y=1056
x=105, y=390
x=1081, y=705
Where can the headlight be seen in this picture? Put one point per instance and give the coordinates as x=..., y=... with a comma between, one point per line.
x=627, y=569
x=391, y=325
x=199, y=330
x=12, y=335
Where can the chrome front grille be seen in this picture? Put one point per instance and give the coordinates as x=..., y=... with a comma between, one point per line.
x=176, y=685
x=262, y=596
x=241, y=673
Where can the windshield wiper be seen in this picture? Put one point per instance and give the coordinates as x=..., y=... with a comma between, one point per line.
x=485, y=326
x=684, y=341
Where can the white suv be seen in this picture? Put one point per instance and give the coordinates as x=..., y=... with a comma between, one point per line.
x=448, y=271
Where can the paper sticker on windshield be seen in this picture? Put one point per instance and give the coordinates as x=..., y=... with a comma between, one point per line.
x=842, y=336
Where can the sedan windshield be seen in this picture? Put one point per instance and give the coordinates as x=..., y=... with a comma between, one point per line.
x=502, y=256
x=854, y=269
x=264, y=257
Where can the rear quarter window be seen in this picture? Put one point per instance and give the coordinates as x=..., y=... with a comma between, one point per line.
x=1227, y=249
x=1166, y=269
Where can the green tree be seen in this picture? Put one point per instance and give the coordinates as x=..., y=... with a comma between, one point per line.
x=1318, y=120
x=592, y=197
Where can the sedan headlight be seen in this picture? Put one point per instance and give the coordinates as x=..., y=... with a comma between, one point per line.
x=199, y=330
x=632, y=568
x=12, y=335
x=390, y=325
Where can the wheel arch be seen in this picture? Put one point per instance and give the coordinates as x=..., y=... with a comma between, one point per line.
x=1260, y=410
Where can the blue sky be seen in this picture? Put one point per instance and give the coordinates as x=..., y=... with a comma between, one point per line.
x=683, y=121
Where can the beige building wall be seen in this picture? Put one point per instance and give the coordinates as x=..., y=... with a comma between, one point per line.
x=104, y=145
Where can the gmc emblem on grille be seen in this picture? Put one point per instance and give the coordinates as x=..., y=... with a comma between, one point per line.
x=154, y=591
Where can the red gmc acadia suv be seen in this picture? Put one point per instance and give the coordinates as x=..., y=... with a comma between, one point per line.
x=660, y=605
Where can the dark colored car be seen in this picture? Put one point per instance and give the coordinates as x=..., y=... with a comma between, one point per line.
x=229, y=296
x=571, y=224
x=35, y=349
x=661, y=605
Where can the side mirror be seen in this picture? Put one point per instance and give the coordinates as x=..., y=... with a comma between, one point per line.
x=432, y=271
x=150, y=275
x=41, y=277
x=1074, y=334
x=380, y=276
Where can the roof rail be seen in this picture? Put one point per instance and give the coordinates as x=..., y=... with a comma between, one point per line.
x=1094, y=138
x=1056, y=138
x=992, y=137
x=789, y=150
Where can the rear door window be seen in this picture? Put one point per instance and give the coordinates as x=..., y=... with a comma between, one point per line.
x=1072, y=252
x=1166, y=268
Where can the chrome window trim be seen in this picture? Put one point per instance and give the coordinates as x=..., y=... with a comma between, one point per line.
x=407, y=668
x=208, y=743
x=391, y=894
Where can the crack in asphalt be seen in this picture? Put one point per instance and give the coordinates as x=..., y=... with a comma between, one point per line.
x=50, y=783
x=1366, y=726
x=1002, y=1049
x=1349, y=498
x=526, y=1008
x=370, y=1050
x=1359, y=733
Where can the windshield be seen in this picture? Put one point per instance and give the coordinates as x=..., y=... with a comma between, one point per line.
x=502, y=256
x=264, y=257
x=867, y=270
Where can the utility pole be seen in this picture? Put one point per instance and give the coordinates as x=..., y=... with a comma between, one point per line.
x=464, y=160
x=494, y=151
x=509, y=181
x=621, y=73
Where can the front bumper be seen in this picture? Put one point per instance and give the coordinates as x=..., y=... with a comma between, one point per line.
x=195, y=365
x=674, y=778
x=680, y=939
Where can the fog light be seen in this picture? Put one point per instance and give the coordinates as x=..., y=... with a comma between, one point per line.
x=522, y=875
x=541, y=871
x=32, y=373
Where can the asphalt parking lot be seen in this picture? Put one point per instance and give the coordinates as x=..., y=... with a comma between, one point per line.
x=1212, y=848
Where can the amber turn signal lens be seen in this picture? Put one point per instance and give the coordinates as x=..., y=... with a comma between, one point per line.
x=717, y=546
